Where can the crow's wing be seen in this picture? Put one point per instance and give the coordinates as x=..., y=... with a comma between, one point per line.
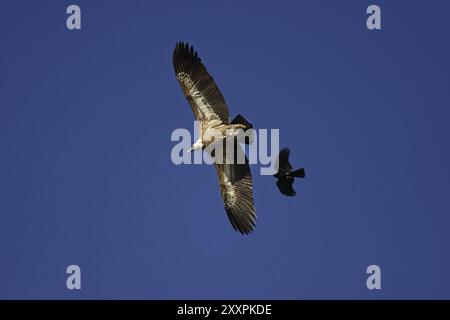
x=283, y=160
x=285, y=186
x=199, y=87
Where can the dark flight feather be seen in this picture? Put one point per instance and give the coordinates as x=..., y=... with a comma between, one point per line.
x=198, y=85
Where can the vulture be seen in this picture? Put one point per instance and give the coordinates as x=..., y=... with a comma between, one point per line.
x=211, y=112
x=285, y=175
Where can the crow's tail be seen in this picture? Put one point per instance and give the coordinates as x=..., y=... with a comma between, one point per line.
x=300, y=173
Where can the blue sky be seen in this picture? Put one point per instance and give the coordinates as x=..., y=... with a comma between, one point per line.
x=86, y=176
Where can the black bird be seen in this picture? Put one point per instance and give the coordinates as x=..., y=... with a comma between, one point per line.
x=285, y=175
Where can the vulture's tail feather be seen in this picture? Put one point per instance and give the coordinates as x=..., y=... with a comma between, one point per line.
x=241, y=120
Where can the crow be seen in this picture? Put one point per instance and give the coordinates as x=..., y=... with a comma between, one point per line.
x=285, y=175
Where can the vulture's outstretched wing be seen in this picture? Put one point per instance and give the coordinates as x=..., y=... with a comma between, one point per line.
x=199, y=87
x=285, y=186
x=283, y=160
x=236, y=187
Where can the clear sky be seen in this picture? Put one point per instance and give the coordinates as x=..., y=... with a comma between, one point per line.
x=86, y=176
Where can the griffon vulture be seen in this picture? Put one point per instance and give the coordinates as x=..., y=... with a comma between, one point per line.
x=211, y=111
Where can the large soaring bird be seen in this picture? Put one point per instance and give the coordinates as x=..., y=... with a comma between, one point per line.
x=211, y=111
x=285, y=175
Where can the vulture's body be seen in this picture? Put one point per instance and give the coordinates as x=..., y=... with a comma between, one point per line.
x=211, y=111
